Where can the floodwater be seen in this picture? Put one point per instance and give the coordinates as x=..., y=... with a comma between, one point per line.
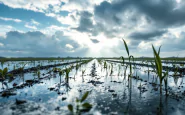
x=110, y=93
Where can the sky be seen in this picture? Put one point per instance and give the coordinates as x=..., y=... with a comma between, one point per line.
x=91, y=28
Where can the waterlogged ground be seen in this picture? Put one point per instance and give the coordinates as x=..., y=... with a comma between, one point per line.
x=110, y=93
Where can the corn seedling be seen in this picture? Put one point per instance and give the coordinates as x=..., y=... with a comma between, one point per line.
x=83, y=72
x=67, y=71
x=2, y=63
x=105, y=65
x=166, y=84
x=21, y=69
x=111, y=71
x=61, y=72
x=129, y=56
x=158, y=66
x=80, y=105
x=38, y=74
x=3, y=74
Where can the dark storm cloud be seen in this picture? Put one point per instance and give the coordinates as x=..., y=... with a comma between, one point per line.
x=86, y=23
x=172, y=43
x=39, y=44
x=163, y=12
x=159, y=13
x=146, y=35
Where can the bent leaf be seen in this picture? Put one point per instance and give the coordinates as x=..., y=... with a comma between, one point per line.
x=84, y=96
x=70, y=107
x=126, y=47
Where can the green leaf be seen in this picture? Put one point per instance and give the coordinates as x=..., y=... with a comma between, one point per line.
x=70, y=107
x=158, y=63
x=131, y=57
x=123, y=59
x=84, y=96
x=9, y=75
x=86, y=105
x=1, y=71
x=126, y=47
x=77, y=100
x=5, y=70
x=159, y=50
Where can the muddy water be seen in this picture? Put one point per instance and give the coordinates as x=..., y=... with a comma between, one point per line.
x=113, y=94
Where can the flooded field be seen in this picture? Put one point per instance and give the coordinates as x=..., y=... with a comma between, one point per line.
x=110, y=91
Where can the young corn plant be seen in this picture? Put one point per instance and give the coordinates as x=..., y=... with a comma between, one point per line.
x=83, y=72
x=61, y=72
x=105, y=65
x=38, y=74
x=21, y=69
x=67, y=71
x=3, y=74
x=131, y=58
x=159, y=67
x=80, y=105
x=2, y=63
x=166, y=84
x=111, y=71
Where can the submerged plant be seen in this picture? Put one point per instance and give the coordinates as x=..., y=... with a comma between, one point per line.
x=2, y=63
x=38, y=74
x=67, y=71
x=83, y=72
x=111, y=71
x=93, y=70
x=80, y=105
x=61, y=72
x=22, y=70
x=3, y=74
x=105, y=65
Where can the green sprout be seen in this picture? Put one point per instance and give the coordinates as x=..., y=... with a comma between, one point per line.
x=81, y=106
x=159, y=67
x=105, y=65
x=83, y=72
x=111, y=71
x=3, y=74
x=2, y=63
x=38, y=74
x=129, y=56
x=61, y=72
x=67, y=71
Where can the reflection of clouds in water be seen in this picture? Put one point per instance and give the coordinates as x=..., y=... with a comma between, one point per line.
x=71, y=96
x=175, y=81
x=31, y=108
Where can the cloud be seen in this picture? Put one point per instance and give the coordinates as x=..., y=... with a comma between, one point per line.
x=90, y=24
x=10, y=19
x=32, y=24
x=147, y=35
x=31, y=27
x=35, y=5
x=38, y=44
x=35, y=22
x=4, y=29
x=85, y=24
x=161, y=12
x=95, y=41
